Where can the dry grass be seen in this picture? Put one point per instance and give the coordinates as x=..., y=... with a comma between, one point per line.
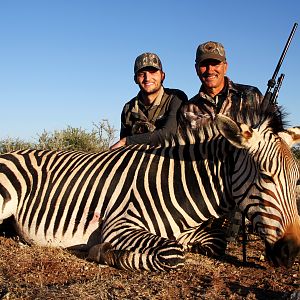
x=47, y=273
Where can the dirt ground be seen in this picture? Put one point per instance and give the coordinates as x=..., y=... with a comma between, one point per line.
x=46, y=273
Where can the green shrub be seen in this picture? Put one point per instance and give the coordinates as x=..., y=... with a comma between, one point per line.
x=99, y=139
x=9, y=144
x=296, y=151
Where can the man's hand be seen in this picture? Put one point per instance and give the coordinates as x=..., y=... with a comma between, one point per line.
x=120, y=143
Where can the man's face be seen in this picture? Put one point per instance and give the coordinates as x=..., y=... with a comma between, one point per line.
x=150, y=80
x=211, y=73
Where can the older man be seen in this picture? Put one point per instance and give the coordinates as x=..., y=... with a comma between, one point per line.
x=218, y=94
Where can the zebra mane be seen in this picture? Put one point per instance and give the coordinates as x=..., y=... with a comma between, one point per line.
x=256, y=116
x=264, y=114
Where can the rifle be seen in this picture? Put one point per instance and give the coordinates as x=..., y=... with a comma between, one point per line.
x=270, y=95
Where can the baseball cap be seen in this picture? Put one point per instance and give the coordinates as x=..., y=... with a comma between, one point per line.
x=147, y=60
x=210, y=50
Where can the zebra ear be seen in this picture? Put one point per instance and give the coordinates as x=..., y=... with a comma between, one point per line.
x=240, y=135
x=291, y=136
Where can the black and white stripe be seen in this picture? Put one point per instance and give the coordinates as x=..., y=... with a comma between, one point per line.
x=140, y=207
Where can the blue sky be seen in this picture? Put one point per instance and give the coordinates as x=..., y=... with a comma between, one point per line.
x=70, y=63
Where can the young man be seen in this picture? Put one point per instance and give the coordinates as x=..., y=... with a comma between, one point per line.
x=151, y=116
x=218, y=94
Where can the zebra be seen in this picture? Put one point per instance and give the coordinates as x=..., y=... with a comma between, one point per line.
x=141, y=207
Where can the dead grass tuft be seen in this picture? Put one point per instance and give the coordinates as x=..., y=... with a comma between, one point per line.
x=47, y=273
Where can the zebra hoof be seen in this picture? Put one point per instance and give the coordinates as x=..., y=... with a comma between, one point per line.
x=97, y=253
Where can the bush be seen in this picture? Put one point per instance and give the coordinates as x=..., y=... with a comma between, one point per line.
x=99, y=139
x=296, y=151
x=9, y=144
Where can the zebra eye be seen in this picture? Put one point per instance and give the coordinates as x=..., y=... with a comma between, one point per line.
x=267, y=178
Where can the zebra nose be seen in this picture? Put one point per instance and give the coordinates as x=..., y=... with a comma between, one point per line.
x=284, y=252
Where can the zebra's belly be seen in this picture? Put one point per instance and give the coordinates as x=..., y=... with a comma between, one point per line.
x=81, y=238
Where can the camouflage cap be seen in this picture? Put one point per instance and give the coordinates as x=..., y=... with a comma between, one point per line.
x=147, y=60
x=210, y=50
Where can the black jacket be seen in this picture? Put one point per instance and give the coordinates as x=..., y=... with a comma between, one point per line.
x=153, y=125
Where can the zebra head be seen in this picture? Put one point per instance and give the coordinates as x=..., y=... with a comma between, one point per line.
x=264, y=183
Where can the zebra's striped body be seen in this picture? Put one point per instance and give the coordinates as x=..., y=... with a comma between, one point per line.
x=140, y=208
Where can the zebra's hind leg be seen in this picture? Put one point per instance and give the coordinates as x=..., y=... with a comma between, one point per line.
x=166, y=256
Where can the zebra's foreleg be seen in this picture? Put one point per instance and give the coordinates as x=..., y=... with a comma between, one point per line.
x=209, y=239
x=166, y=256
x=213, y=244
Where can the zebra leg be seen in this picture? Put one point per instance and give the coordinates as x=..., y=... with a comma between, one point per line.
x=210, y=238
x=99, y=253
x=164, y=256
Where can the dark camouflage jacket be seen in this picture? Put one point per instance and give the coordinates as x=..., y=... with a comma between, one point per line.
x=232, y=100
x=151, y=125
